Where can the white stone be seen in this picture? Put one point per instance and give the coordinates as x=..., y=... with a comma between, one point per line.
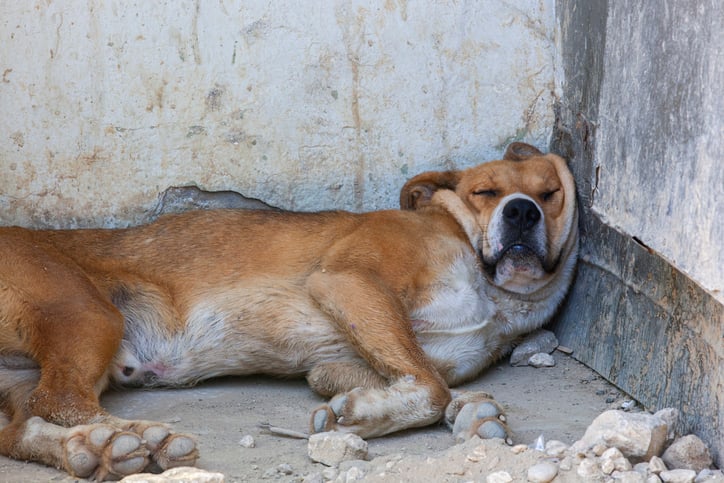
x=628, y=477
x=556, y=448
x=181, y=474
x=657, y=465
x=535, y=342
x=678, y=476
x=688, y=452
x=637, y=435
x=331, y=448
x=247, y=441
x=710, y=476
x=588, y=468
x=499, y=477
x=542, y=472
x=541, y=359
x=613, y=460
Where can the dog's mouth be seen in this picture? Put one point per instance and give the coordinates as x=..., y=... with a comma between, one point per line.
x=514, y=259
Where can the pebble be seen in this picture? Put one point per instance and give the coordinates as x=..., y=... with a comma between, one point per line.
x=613, y=460
x=688, y=452
x=678, y=476
x=180, y=475
x=542, y=472
x=628, y=477
x=285, y=469
x=711, y=476
x=519, y=448
x=657, y=465
x=588, y=468
x=499, y=477
x=247, y=441
x=539, y=341
x=541, y=359
x=331, y=448
x=556, y=448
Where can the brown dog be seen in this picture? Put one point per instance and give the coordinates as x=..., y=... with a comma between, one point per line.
x=384, y=310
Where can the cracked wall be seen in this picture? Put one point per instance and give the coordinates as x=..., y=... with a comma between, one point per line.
x=306, y=106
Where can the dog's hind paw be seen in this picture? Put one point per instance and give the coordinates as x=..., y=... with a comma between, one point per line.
x=326, y=416
x=167, y=448
x=99, y=451
x=476, y=414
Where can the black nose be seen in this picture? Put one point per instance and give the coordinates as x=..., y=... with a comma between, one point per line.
x=521, y=213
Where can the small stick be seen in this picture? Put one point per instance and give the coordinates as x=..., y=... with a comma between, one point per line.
x=283, y=432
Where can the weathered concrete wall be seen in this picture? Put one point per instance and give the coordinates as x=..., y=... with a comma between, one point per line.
x=306, y=105
x=641, y=122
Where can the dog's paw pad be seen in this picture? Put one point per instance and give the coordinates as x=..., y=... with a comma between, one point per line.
x=327, y=416
x=484, y=419
x=176, y=450
x=100, y=451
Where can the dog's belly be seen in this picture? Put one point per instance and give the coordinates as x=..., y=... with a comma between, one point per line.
x=270, y=329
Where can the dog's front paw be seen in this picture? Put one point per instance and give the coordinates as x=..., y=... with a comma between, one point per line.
x=99, y=451
x=476, y=414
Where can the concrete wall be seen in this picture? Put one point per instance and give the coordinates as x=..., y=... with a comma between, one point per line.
x=306, y=105
x=641, y=120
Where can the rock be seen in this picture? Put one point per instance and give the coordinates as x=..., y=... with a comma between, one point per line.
x=671, y=418
x=542, y=472
x=588, y=468
x=639, y=436
x=613, y=460
x=247, y=441
x=678, y=476
x=688, y=452
x=653, y=479
x=285, y=469
x=331, y=448
x=710, y=476
x=499, y=477
x=628, y=477
x=180, y=474
x=330, y=474
x=556, y=448
x=541, y=359
x=539, y=341
x=657, y=465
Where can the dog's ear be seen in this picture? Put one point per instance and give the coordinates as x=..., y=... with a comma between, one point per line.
x=419, y=190
x=518, y=151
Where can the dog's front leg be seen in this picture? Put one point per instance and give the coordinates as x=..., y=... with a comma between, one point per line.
x=376, y=324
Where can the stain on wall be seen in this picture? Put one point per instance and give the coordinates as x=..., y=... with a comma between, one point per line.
x=311, y=105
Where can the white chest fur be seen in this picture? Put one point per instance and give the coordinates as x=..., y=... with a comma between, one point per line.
x=457, y=328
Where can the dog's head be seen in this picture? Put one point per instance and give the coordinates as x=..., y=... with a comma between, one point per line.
x=519, y=214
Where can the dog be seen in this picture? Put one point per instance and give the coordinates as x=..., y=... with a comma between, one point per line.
x=383, y=312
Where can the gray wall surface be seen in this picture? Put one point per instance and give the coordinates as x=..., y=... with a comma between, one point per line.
x=641, y=120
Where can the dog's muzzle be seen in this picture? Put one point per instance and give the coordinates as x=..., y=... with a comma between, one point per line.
x=516, y=237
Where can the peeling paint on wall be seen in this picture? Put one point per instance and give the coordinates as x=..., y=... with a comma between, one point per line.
x=306, y=106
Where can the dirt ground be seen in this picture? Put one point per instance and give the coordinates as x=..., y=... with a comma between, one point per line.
x=558, y=402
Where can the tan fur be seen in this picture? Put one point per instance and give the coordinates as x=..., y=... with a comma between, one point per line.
x=384, y=309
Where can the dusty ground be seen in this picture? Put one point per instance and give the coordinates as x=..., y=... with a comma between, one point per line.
x=558, y=402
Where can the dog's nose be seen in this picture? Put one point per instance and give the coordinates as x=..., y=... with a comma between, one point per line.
x=521, y=213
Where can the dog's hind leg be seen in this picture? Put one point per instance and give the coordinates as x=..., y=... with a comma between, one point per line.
x=375, y=323
x=332, y=378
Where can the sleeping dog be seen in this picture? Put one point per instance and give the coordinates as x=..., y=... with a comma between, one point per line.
x=382, y=311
